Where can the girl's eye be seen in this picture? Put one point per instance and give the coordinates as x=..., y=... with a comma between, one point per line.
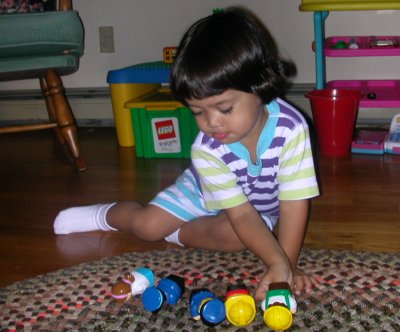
x=226, y=111
x=196, y=113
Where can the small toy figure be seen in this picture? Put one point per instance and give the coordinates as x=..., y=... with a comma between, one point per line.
x=392, y=143
x=168, y=290
x=169, y=54
x=132, y=283
x=139, y=280
x=206, y=306
x=278, y=306
x=240, y=306
x=340, y=44
x=121, y=292
x=353, y=44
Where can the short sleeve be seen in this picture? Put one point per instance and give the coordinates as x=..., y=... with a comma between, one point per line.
x=296, y=176
x=218, y=183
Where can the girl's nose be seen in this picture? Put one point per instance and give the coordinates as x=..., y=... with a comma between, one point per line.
x=213, y=121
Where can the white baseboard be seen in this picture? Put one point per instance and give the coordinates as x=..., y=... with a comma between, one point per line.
x=87, y=111
x=92, y=107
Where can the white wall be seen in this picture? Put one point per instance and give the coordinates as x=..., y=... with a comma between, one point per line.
x=143, y=27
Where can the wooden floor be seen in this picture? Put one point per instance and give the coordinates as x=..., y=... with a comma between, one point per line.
x=358, y=210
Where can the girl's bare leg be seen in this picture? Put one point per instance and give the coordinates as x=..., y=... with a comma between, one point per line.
x=149, y=222
x=211, y=233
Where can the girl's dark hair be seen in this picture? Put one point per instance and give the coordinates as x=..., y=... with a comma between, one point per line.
x=228, y=50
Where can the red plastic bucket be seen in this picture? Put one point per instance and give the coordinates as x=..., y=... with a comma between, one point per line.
x=335, y=113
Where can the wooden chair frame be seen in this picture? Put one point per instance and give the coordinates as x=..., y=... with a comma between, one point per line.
x=60, y=114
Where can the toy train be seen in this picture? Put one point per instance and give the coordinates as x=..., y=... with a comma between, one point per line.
x=239, y=307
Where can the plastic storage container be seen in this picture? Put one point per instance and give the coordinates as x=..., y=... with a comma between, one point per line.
x=375, y=93
x=369, y=142
x=335, y=113
x=163, y=127
x=359, y=46
x=128, y=83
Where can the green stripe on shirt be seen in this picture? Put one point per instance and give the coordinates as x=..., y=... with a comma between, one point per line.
x=226, y=203
x=298, y=193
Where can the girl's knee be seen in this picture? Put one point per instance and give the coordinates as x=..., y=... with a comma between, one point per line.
x=215, y=233
x=153, y=224
x=146, y=230
x=227, y=239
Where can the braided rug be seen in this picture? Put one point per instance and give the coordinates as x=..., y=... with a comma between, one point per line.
x=358, y=292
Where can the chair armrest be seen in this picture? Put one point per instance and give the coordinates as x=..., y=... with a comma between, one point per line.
x=64, y=5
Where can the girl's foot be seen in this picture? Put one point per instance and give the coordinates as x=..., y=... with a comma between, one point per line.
x=83, y=219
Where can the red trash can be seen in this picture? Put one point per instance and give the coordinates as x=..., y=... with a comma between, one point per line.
x=335, y=113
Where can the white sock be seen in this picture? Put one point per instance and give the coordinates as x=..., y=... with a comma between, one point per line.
x=174, y=238
x=83, y=219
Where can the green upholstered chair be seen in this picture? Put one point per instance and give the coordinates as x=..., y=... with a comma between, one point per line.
x=45, y=45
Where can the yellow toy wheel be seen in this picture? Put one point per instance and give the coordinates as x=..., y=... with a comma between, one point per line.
x=278, y=317
x=240, y=310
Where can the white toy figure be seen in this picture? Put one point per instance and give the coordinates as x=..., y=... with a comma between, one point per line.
x=139, y=280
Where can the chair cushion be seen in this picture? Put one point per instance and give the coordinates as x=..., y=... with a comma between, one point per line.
x=41, y=34
x=35, y=67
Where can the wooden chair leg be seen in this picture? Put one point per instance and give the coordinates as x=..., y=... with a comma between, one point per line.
x=60, y=112
x=52, y=115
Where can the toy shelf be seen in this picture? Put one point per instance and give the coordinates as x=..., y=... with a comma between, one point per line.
x=375, y=93
x=379, y=92
x=362, y=46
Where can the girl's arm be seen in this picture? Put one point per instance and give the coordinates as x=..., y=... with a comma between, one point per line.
x=253, y=233
x=291, y=231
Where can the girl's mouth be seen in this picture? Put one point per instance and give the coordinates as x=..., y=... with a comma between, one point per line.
x=220, y=136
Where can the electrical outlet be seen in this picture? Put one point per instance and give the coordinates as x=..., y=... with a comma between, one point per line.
x=106, y=35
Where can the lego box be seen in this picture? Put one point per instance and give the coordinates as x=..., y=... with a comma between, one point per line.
x=163, y=127
x=131, y=82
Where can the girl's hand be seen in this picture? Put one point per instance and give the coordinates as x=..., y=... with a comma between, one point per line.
x=302, y=282
x=278, y=272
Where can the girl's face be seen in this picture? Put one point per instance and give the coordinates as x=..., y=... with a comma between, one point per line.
x=230, y=117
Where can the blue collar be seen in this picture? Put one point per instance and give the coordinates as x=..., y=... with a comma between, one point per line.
x=264, y=141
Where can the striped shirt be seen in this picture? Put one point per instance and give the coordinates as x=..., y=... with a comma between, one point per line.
x=284, y=169
x=223, y=176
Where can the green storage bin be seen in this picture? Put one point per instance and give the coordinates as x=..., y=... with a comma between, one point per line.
x=163, y=127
